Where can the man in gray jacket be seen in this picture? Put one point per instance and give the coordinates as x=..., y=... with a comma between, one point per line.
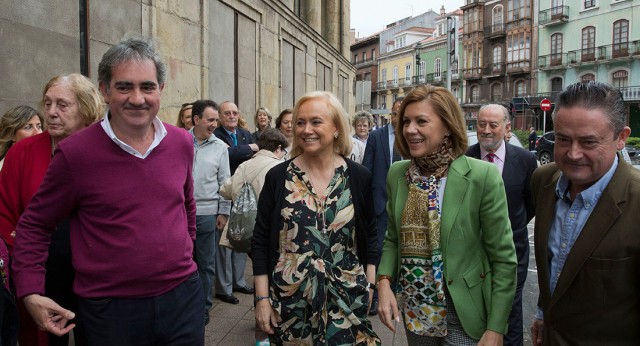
x=210, y=171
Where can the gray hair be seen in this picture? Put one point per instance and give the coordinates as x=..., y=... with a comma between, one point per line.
x=503, y=109
x=133, y=49
x=360, y=116
x=595, y=95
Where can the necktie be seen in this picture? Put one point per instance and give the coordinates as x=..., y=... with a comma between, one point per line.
x=490, y=157
x=235, y=139
x=396, y=156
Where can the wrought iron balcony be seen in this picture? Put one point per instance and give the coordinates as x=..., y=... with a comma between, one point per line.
x=625, y=50
x=552, y=61
x=494, y=69
x=472, y=73
x=554, y=15
x=365, y=63
x=494, y=30
x=520, y=66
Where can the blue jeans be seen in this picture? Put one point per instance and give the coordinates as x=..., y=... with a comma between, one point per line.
x=205, y=255
x=173, y=318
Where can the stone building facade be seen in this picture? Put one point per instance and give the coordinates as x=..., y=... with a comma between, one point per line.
x=257, y=53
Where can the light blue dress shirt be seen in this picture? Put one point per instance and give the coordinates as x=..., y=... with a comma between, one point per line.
x=569, y=220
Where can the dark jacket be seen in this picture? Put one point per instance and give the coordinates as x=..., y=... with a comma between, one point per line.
x=269, y=222
x=239, y=153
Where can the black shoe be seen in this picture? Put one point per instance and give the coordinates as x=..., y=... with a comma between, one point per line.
x=374, y=308
x=245, y=290
x=206, y=318
x=230, y=298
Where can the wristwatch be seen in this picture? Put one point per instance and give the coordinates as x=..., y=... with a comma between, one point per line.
x=259, y=298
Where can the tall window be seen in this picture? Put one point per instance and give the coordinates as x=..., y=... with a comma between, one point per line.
x=556, y=7
x=496, y=92
x=589, y=3
x=518, y=50
x=395, y=76
x=497, y=59
x=407, y=74
x=620, y=79
x=518, y=9
x=437, y=68
x=364, y=56
x=556, y=49
x=474, y=93
x=355, y=59
x=620, y=38
x=423, y=69
x=496, y=19
x=520, y=88
x=556, y=84
x=84, y=37
x=383, y=77
x=588, y=43
x=588, y=77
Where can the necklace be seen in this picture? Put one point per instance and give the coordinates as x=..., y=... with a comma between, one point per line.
x=321, y=210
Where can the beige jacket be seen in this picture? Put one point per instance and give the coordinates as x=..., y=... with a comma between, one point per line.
x=252, y=171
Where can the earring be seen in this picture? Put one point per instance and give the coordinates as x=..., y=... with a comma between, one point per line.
x=335, y=135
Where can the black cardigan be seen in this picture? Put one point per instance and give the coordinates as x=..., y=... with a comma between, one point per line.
x=269, y=222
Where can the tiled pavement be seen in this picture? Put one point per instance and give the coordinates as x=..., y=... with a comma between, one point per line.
x=234, y=324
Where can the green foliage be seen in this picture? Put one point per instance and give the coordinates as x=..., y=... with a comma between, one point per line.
x=634, y=141
x=523, y=136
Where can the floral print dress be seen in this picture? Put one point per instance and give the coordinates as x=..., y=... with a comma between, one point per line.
x=319, y=287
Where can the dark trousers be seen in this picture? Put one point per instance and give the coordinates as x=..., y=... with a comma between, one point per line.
x=514, y=335
x=173, y=318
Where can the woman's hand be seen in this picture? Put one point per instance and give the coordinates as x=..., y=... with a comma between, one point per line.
x=387, y=305
x=491, y=338
x=266, y=316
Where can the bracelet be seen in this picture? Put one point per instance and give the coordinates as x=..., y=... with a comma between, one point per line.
x=371, y=285
x=259, y=298
x=383, y=277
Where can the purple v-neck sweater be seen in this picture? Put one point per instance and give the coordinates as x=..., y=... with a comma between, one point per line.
x=132, y=219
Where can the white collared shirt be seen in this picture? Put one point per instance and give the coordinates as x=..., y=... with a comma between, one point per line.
x=159, y=133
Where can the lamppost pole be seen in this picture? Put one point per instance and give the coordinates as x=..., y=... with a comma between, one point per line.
x=418, y=46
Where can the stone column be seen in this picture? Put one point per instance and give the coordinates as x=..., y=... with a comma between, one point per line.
x=313, y=14
x=331, y=24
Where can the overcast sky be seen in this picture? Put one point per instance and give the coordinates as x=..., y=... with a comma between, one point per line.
x=369, y=17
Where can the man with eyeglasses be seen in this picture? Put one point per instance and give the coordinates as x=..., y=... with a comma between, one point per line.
x=210, y=171
x=229, y=263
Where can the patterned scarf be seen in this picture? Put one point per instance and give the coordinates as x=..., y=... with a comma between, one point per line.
x=421, y=270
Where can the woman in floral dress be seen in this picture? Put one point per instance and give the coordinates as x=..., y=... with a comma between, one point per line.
x=314, y=244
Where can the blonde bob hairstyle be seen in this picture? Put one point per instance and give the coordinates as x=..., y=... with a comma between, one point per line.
x=91, y=105
x=443, y=104
x=340, y=118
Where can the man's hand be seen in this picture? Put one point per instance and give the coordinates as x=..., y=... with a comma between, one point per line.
x=254, y=147
x=491, y=338
x=536, y=331
x=221, y=221
x=48, y=315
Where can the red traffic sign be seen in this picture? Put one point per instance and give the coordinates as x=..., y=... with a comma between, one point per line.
x=545, y=105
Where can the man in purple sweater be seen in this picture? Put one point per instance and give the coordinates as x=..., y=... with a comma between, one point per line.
x=126, y=185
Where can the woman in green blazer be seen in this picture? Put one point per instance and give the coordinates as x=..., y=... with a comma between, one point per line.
x=449, y=244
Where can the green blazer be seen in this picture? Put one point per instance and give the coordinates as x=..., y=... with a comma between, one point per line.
x=476, y=241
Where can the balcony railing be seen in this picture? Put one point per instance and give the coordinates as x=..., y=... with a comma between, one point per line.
x=493, y=69
x=471, y=3
x=551, y=61
x=472, y=72
x=494, y=30
x=606, y=52
x=520, y=66
x=554, y=15
x=519, y=23
x=433, y=78
x=364, y=63
x=630, y=93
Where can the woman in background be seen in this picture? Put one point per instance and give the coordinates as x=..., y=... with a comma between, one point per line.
x=284, y=123
x=362, y=123
x=262, y=120
x=449, y=243
x=314, y=243
x=17, y=124
x=185, y=120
